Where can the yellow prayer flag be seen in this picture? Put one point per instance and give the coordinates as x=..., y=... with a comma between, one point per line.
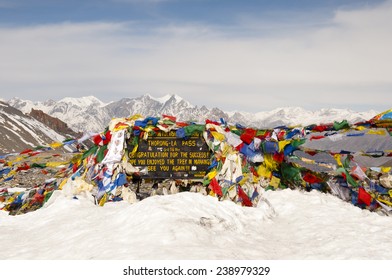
x=385, y=169
x=244, y=180
x=310, y=161
x=135, y=117
x=63, y=183
x=360, y=128
x=55, y=145
x=226, y=150
x=270, y=163
x=56, y=164
x=212, y=174
x=120, y=127
x=262, y=171
x=387, y=202
x=283, y=144
x=377, y=131
x=275, y=182
x=338, y=159
x=103, y=200
x=218, y=136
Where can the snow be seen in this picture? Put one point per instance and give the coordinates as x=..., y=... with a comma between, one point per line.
x=189, y=226
x=189, y=230
x=83, y=102
x=300, y=116
x=90, y=114
x=165, y=98
x=26, y=105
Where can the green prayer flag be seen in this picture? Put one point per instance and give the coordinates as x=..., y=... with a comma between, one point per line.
x=193, y=129
x=101, y=153
x=290, y=173
x=89, y=152
x=341, y=125
x=38, y=165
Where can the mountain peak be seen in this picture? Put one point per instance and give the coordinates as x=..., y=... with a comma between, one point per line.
x=83, y=101
x=166, y=98
x=90, y=114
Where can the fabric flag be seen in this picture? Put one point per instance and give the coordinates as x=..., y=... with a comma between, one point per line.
x=263, y=171
x=248, y=135
x=347, y=176
x=338, y=159
x=172, y=118
x=233, y=139
x=386, y=115
x=336, y=189
x=322, y=127
x=341, y=125
x=311, y=178
x=355, y=134
x=193, y=129
x=26, y=151
x=270, y=163
x=271, y=147
x=364, y=197
x=244, y=197
x=275, y=182
x=218, y=136
x=283, y=144
x=55, y=145
x=316, y=137
x=335, y=137
x=215, y=187
x=115, y=148
x=384, y=206
x=385, y=169
x=291, y=173
x=358, y=172
x=377, y=132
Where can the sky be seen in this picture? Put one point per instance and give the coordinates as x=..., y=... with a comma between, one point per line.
x=235, y=55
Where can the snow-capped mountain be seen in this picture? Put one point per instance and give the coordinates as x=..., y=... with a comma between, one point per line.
x=300, y=116
x=19, y=131
x=91, y=114
x=81, y=114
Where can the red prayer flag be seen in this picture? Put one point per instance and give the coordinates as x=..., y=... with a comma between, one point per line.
x=169, y=117
x=364, y=197
x=245, y=199
x=278, y=157
x=314, y=137
x=212, y=122
x=311, y=179
x=26, y=151
x=248, y=135
x=215, y=187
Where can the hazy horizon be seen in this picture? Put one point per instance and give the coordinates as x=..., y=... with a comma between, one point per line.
x=246, y=56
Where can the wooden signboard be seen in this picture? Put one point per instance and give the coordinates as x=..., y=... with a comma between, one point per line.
x=167, y=156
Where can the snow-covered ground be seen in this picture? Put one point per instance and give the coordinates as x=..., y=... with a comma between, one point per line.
x=298, y=226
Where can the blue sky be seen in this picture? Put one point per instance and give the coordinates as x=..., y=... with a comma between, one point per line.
x=217, y=12
x=235, y=55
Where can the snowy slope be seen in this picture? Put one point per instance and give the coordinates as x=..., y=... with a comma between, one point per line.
x=19, y=131
x=190, y=226
x=300, y=116
x=81, y=114
x=91, y=114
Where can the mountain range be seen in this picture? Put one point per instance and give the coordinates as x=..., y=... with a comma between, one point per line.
x=19, y=131
x=91, y=114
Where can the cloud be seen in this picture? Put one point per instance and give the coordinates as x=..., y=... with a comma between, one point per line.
x=345, y=62
x=143, y=1
x=7, y=4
